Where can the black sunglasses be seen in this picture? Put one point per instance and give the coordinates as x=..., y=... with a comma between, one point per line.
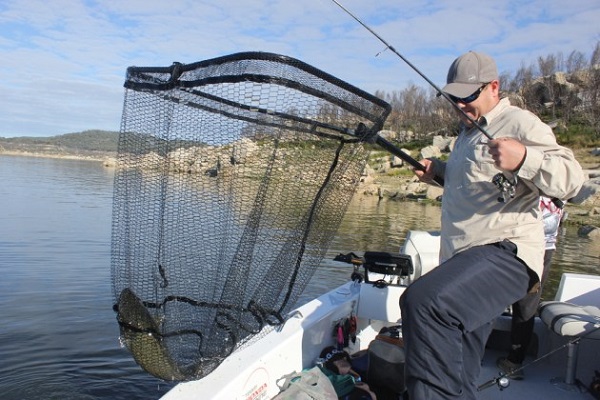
x=471, y=98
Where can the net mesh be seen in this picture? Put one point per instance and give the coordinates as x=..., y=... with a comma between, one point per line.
x=232, y=177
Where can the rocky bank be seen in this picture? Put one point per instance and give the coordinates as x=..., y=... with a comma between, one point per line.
x=389, y=179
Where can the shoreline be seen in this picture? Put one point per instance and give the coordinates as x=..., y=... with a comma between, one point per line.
x=378, y=185
x=106, y=159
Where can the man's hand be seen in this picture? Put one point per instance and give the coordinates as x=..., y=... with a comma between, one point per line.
x=427, y=175
x=508, y=154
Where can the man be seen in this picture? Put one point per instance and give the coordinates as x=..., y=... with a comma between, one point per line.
x=491, y=245
x=523, y=311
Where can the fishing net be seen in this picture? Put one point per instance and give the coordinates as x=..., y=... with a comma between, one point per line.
x=232, y=177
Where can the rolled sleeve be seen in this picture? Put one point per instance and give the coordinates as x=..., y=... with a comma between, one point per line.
x=532, y=164
x=556, y=173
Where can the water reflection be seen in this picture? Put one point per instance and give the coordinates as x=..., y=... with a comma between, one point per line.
x=373, y=225
x=573, y=254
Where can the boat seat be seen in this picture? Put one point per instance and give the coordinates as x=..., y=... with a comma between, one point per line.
x=572, y=316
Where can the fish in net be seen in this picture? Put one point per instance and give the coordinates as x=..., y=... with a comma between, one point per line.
x=233, y=175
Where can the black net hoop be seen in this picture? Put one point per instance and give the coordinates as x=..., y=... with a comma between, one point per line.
x=233, y=175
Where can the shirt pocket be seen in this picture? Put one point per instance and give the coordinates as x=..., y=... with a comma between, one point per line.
x=480, y=165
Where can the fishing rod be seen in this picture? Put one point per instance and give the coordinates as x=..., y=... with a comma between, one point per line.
x=502, y=381
x=505, y=185
x=439, y=91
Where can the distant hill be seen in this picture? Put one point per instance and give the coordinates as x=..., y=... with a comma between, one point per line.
x=87, y=144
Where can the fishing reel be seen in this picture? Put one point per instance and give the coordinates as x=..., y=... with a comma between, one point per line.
x=501, y=381
x=507, y=187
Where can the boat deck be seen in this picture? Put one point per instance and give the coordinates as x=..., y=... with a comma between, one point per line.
x=544, y=379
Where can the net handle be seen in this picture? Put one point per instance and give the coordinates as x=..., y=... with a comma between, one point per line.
x=375, y=137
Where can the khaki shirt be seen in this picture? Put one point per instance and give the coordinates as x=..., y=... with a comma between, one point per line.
x=471, y=212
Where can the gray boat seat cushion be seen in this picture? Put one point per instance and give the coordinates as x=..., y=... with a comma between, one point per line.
x=567, y=319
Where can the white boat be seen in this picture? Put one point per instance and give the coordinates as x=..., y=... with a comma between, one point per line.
x=560, y=367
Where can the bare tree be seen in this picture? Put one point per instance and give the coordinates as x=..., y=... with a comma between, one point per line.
x=591, y=93
x=536, y=85
x=524, y=80
x=575, y=62
x=507, y=82
x=550, y=69
x=595, y=59
x=547, y=65
x=409, y=109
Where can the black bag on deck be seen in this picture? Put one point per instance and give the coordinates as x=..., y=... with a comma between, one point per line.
x=386, y=361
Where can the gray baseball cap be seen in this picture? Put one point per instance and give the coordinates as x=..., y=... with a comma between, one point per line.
x=468, y=72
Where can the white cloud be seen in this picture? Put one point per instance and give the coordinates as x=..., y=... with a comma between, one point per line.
x=64, y=61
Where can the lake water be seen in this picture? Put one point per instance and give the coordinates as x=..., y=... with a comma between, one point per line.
x=58, y=334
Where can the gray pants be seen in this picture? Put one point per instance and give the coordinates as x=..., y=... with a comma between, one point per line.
x=447, y=317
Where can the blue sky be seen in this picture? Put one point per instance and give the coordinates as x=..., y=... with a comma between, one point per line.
x=64, y=61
